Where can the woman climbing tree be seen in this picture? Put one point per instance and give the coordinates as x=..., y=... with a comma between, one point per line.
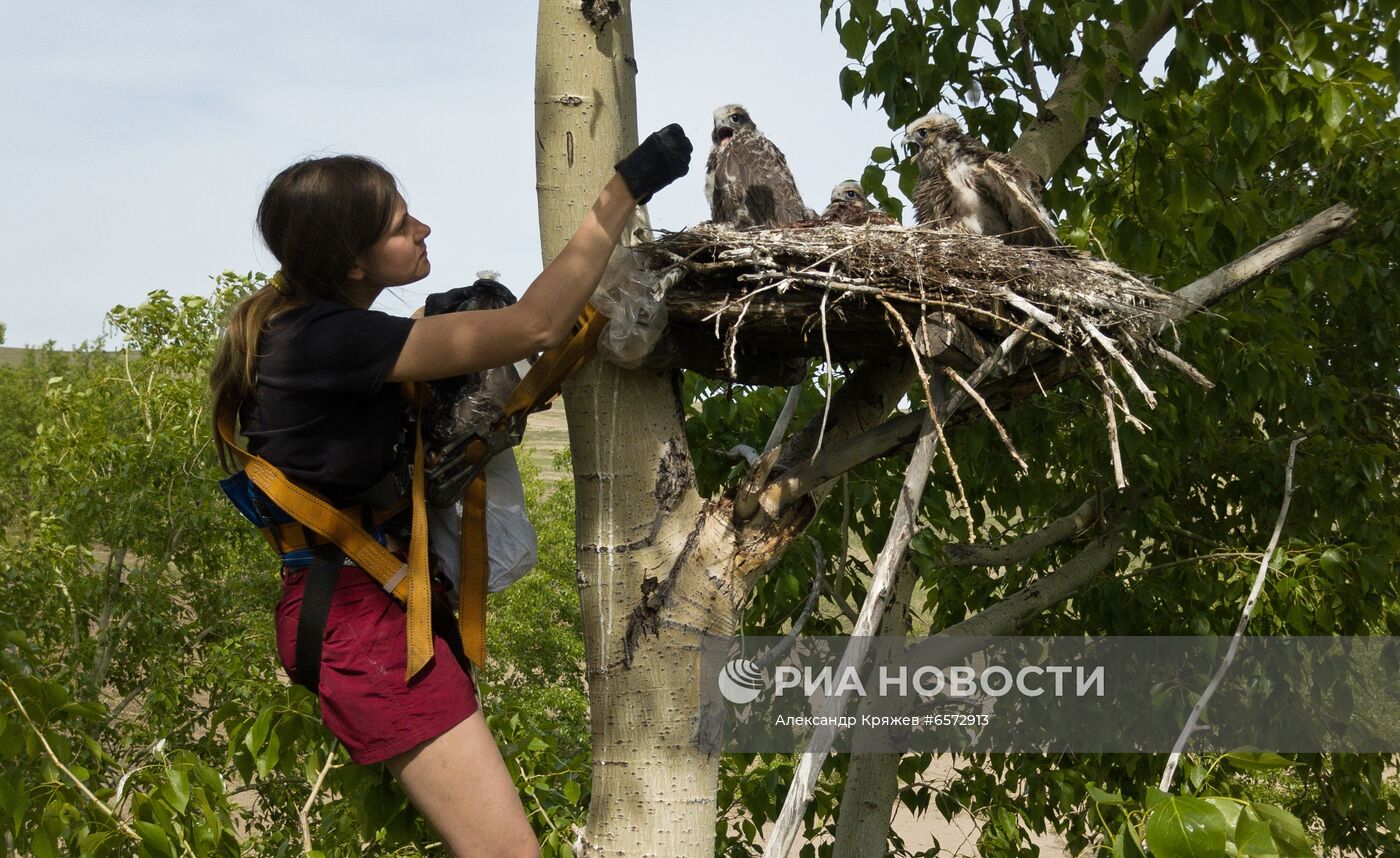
x=315, y=380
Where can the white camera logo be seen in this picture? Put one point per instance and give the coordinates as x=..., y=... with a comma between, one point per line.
x=741, y=681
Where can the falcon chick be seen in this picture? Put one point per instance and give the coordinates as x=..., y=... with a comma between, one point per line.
x=747, y=180
x=966, y=187
x=849, y=206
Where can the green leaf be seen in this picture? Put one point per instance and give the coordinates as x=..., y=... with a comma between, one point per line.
x=1334, y=103
x=825, y=10
x=881, y=154
x=851, y=83
x=572, y=791
x=1186, y=827
x=153, y=835
x=1249, y=759
x=1101, y=797
x=178, y=792
x=1229, y=808
x=853, y=39
x=1080, y=105
x=1125, y=843
x=1288, y=832
x=1304, y=44
x=1129, y=101
x=1330, y=561
x=967, y=11
x=258, y=733
x=1253, y=837
x=871, y=177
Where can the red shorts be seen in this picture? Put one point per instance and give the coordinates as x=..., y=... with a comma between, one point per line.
x=365, y=702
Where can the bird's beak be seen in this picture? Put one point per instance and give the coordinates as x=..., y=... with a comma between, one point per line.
x=911, y=147
x=722, y=133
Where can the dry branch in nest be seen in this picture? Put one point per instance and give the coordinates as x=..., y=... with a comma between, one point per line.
x=753, y=300
x=755, y=304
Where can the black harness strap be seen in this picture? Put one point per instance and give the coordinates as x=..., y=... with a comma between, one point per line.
x=321, y=579
x=315, y=608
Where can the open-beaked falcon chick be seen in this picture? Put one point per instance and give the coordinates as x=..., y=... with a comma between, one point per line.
x=747, y=180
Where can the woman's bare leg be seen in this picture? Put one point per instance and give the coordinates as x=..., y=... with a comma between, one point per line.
x=459, y=782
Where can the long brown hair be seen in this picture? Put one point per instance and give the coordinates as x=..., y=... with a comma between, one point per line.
x=317, y=217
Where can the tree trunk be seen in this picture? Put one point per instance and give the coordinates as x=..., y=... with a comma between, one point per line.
x=872, y=779
x=651, y=552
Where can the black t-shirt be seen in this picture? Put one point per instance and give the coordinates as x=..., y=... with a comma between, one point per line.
x=320, y=409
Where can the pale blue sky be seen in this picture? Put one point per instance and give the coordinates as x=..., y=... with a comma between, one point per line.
x=136, y=138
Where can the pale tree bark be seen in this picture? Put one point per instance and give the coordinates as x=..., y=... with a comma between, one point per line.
x=872, y=779
x=653, y=556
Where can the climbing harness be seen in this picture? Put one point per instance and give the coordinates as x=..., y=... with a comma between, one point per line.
x=305, y=529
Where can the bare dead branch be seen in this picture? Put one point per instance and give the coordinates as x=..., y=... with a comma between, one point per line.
x=1249, y=604
x=1023, y=548
x=891, y=558
x=780, y=426
x=742, y=451
x=996, y=424
x=1177, y=361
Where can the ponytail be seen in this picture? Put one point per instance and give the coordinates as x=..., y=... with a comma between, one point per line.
x=235, y=368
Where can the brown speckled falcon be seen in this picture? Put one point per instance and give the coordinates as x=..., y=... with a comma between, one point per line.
x=966, y=187
x=849, y=206
x=747, y=180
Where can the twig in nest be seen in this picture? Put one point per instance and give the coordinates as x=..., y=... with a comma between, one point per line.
x=933, y=413
x=734, y=341
x=982, y=403
x=1180, y=363
x=1112, y=349
x=1118, y=477
x=1034, y=312
x=1107, y=378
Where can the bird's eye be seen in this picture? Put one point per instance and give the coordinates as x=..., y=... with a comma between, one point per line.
x=923, y=132
x=739, y=117
x=850, y=195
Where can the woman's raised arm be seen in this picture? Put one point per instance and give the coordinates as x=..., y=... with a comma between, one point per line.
x=451, y=344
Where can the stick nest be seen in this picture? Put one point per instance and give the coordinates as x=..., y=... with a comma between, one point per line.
x=834, y=291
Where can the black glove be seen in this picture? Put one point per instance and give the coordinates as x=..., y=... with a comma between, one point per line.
x=660, y=160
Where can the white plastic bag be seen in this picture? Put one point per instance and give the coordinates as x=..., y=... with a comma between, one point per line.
x=512, y=547
x=636, y=309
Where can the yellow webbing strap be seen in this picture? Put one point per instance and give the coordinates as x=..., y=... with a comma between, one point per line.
x=471, y=607
x=548, y=374
x=539, y=387
x=407, y=582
